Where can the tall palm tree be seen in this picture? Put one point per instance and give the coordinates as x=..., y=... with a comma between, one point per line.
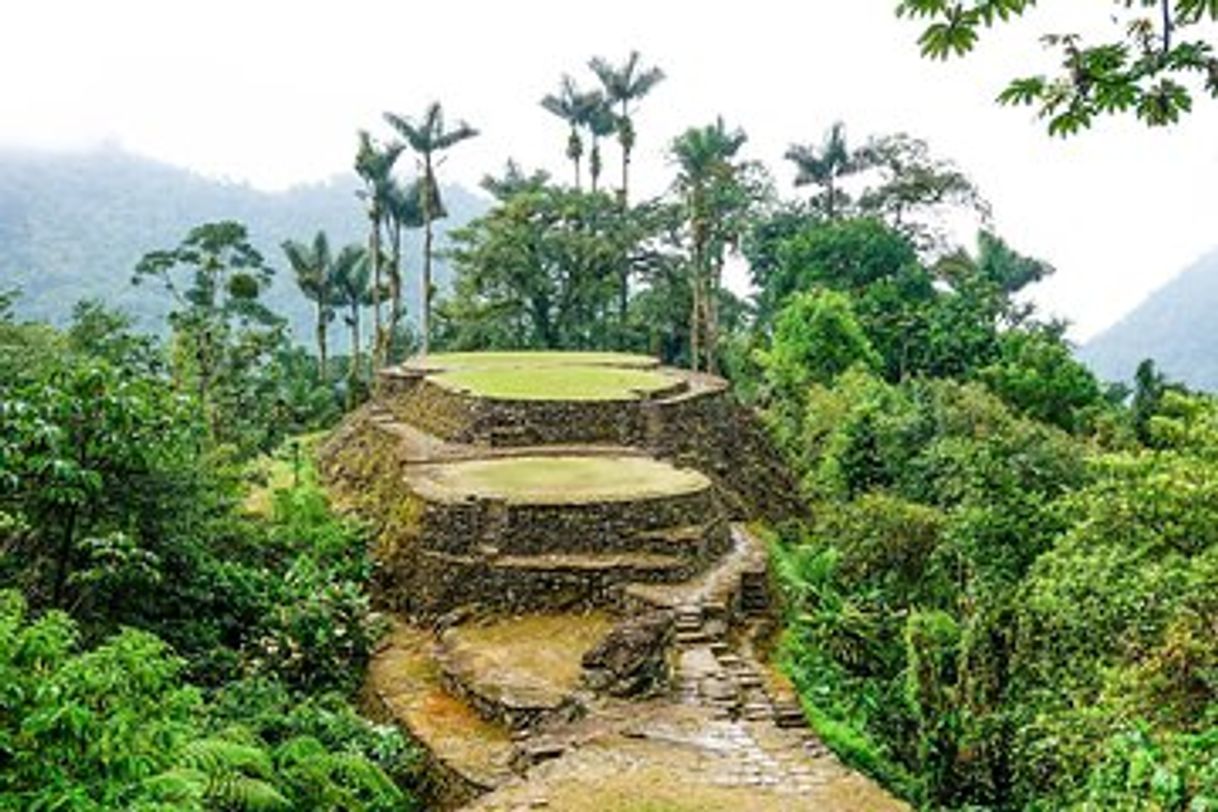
x=569, y=104
x=314, y=269
x=353, y=290
x=598, y=117
x=705, y=157
x=426, y=137
x=825, y=166
x=374, y=165
x=624, y=85
x=403, y=209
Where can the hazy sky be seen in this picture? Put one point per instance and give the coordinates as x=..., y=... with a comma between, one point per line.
x=272, y=93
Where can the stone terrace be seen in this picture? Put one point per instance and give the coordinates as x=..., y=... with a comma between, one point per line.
x=578, y=623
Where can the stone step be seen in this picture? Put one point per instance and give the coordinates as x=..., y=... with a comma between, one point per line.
x=789, y=715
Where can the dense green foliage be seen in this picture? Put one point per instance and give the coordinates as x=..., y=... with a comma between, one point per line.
x=116, y=726
x=1006, y=597
x=161, y=646
x=1160, y=59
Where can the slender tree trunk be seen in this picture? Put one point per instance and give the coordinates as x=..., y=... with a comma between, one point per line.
x=594, y=164
x=711, y=305
x=321, y=338
x=425, y=299
x=204, y=356
x=395, y=287
x=625, y=126
x=623, y=302
x=625, y=178
x=374, y=248
x=695, y=317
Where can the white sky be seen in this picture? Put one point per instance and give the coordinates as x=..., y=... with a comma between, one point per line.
x=271, y=92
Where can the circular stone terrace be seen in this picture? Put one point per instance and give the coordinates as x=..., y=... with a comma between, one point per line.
x=559, y=480
x=562, y=376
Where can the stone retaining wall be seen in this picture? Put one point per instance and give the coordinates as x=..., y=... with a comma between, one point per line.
x=426, y=584
x=462, y=417
x=702, y=427
x=717, y=436
x=638, y=525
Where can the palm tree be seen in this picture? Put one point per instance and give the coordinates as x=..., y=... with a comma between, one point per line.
x=705, y=157
x=374, y=165
x=825, y=166
x=625, y=85
x=600, y=121
x=568, y=104
x=426, y=137
x=403, y=209
x=353, y=290
x=314, y=271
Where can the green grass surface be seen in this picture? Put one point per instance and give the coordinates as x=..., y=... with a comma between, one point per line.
x=556, y=382
x=563, y=479
x=469, y=360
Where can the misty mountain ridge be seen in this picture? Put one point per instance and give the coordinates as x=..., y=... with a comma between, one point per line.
x=1175, y=326
x=74, y=225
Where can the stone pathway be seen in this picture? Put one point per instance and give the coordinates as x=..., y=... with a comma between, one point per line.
x=729, y=736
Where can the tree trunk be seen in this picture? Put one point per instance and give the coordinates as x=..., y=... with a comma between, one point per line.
x=626, y=146
x=623, y=303
x=695, y=316
x=594, y=164
x=625, y=178
x=425, y=299
x=321, y=338
x=711, y=306
x=395, y=287
x=374, y=248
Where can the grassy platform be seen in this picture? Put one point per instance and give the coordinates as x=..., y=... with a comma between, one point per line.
x=539, y=375
x=563, y=479
x=532, y=358
x=558, y=382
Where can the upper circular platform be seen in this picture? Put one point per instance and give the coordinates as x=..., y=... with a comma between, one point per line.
x=558, y=376
x=557, y=479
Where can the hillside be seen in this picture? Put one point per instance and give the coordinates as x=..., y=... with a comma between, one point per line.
x=73, y=225
x=1174, y=326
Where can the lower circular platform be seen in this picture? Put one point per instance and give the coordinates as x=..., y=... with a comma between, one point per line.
x=557, y=479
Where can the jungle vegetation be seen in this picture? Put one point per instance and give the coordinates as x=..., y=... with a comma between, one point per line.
x=1005, y=599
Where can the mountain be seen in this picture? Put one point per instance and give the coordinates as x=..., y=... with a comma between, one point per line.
x=1175, y=326
x=73, y=225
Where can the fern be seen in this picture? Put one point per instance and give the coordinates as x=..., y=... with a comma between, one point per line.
x=241, y=792
x=219, y=756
